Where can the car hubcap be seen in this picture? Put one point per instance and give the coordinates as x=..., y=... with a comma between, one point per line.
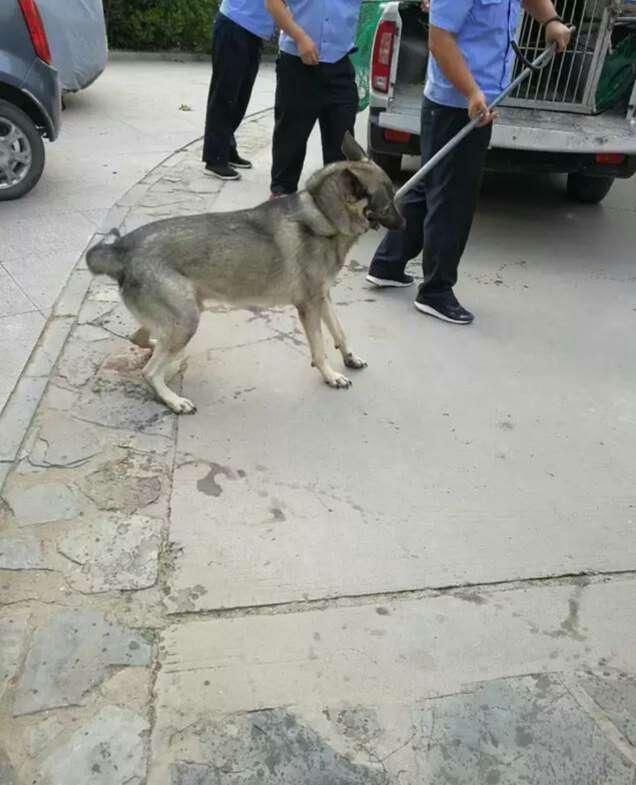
x=15, y=154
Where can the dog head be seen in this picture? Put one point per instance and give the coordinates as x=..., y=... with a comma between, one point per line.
x=374, y=185
x=356, y=194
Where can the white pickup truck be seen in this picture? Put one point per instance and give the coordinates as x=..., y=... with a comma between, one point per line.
x=577, y=117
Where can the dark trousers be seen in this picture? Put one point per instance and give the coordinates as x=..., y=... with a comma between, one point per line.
x=305, y=94
x=439, y=211
x=236, y=55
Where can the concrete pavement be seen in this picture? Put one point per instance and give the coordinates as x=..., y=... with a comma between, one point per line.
x=429, y=579
x=133, y=117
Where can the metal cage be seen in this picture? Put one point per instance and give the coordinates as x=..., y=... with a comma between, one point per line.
x=570, y=82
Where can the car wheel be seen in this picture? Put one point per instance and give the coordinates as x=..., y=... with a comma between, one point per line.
x=391, y=164
x=588, y=190
x=21, y=152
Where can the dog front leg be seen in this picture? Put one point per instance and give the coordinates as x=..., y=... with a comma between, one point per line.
x=330, y=318
x=310, y=318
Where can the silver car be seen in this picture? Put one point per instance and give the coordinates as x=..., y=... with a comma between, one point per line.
x=30, y=97
x=46, y=47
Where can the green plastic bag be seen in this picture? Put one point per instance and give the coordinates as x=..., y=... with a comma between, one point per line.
x=370, y=13
x=618, y=75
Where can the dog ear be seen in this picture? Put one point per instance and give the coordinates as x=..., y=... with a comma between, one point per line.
x=354, y=185
x=351, y=149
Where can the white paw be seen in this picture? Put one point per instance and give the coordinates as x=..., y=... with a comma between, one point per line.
x=182, y=406
x=338, y=381
x=353, y=361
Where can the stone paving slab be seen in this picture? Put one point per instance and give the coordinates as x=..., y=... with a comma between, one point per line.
x=525, y=730
x=70, y=656
x=615, y=694
x=429, y=691
x=21, y=552
x=107, y=751
x=25, y=327
x=115, y=553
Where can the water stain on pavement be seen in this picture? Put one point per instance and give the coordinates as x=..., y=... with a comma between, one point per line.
x=208, y=484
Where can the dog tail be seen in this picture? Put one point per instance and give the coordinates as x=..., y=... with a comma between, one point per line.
x=106, y=257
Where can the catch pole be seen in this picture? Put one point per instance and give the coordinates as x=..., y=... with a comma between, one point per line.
x=537, y=65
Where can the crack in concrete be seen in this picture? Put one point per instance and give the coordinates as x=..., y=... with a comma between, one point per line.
x=126, y=428
x=26, y=600
x=52, y=465
x=165, y=566
x=382, y=598
x=398, y=749
x=110, y=332
x=288, y=338
x=69, y=558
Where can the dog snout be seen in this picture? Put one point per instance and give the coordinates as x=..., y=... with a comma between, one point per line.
x=387, y=214
x=393, y=219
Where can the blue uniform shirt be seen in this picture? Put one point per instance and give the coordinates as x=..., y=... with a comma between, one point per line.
x=484, y=30
x=250, y=14
x=331, y=24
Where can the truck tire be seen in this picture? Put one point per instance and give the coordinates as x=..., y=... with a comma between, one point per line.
x=588, y=190
x=391, y=164
x=21, y=152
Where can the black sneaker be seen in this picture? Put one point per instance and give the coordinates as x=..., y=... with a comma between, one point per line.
x=382, y=282
x=446, y=308
x=237, y=162
x=222, y=171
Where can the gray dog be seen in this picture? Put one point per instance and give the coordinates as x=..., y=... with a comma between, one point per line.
x=284, y=252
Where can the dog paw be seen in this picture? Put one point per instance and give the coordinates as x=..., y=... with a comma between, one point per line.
x=338, y=381
x=353, y=361
x=182, y=406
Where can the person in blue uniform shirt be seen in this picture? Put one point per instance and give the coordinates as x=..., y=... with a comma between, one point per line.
x=470, y=63
x=315, y=82
x=239, y=30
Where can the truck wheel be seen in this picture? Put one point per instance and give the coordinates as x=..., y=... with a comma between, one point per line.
x=588, y=190
x=392, y=164
x=21, y=152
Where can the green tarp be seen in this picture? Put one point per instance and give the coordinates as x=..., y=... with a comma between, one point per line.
x=618, y=75
x=370, y=13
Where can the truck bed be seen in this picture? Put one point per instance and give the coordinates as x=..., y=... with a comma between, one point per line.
x=524, y=128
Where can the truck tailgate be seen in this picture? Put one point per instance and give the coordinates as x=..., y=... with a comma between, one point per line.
x=529, y=129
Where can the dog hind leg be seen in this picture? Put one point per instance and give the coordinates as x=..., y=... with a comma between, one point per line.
x=330, y=318
x=155, y=373
x=172, y=318
x=310, y=318
x=142, y=338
